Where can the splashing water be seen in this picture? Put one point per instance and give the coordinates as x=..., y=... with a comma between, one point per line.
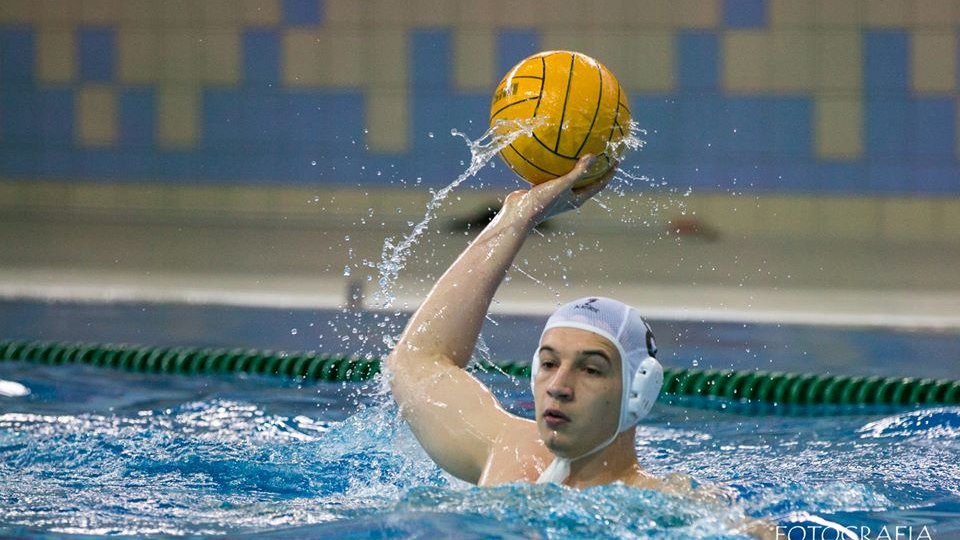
x=482, y=150
x=394, y=254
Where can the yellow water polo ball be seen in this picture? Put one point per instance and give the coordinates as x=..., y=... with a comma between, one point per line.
x=570, y=105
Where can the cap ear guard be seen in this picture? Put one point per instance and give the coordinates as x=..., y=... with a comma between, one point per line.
x=643, y=391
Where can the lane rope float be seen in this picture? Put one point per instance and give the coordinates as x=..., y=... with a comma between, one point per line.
x=734, y=385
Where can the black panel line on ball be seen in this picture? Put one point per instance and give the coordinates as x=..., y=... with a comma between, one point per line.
x=505, y=107
x=543, y=82
x=616, y=115
x=548, y=149
x=595, y=111
x=566, y=96
x=532, y=164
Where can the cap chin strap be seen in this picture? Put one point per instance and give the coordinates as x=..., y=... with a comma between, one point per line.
x=644, y=390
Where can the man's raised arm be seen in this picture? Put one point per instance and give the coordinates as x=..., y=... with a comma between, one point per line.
x=454, y=417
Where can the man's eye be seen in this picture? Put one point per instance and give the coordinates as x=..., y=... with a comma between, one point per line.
x=548, y=364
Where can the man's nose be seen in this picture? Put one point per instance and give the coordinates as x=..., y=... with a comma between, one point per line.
x=559, y=386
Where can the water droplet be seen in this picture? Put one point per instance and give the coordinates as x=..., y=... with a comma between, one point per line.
x=314, y=163
x=346, y=270
x=293, y=331
x=430, y=134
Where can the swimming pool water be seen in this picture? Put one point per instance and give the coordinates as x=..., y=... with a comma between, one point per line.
x=98, y=452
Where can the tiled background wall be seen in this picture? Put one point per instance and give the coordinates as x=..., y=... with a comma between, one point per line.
x=782, y=97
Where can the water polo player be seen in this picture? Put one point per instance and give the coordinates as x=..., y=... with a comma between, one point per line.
x=594, y=372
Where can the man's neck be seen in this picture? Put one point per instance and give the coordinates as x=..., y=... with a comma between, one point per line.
x=615, y=463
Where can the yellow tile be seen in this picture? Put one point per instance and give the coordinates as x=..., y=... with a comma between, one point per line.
x=48, y=195
x=261, y=12
x=474, y=63
x=940, y=14
x=100, y=11
x=388, y=121
x=518, y=13
x=600, y=15
x=344, y=62
x=304, y=57
x=56, y=51
x=11, y=193
x=887, y=13
x=385, y=57
x=792, y=66
x=839, y=61
x=697, y=13
x=96, y=116
x=432, y=13
x=933, y=60
x=562, y=14
x=220, y=14
x=343, y=12
x=244, y=199
x=652, y=55
x=908, y=219
x=387, y=13
x=839, y=127
x=139, y=56
x=948, y=218
x=571, y=39
x=746, y=61
x=179, y=61
x=19, y=11
x=200, y=197
x=847, y=13
x=608, y=49
x=647, y=14
x=849, y=218
x=219, y=57
x=180, y=14
x=139, y=14
x=59, y=11
x=793, y=216
x=476, y=15
x=792, y=14
x=177, y=110
x=734, y=215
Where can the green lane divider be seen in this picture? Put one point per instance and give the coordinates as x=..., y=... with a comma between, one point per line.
x=748, y=386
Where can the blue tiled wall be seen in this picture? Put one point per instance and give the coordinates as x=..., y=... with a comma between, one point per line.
x=263, y=130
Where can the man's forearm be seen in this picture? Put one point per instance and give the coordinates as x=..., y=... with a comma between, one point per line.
x=446, y=326
x=448, y=322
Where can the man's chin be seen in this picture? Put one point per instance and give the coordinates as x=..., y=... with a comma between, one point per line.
x=558, y=444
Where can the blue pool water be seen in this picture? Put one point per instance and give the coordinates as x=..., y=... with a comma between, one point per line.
x=95, y=452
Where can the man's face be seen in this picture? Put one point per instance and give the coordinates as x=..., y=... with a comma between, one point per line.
x=577, y=391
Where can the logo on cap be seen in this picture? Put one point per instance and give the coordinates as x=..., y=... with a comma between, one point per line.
x=586, y=305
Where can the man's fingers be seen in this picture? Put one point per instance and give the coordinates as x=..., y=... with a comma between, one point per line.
x=584, y=193
x=583, y=165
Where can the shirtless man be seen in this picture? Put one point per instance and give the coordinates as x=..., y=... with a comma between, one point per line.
x=584, y=430
x=594, y=374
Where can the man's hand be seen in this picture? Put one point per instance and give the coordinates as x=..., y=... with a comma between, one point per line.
x=555, y=196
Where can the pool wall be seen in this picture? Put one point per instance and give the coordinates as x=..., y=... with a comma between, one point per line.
x=766, y=96
x=791, y=146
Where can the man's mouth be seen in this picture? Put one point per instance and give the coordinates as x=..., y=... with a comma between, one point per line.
x=554, y=418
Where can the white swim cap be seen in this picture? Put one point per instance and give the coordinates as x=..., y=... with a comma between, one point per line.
x=622, y=326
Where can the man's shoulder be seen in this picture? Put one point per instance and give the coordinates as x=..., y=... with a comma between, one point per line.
x=517, y=455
